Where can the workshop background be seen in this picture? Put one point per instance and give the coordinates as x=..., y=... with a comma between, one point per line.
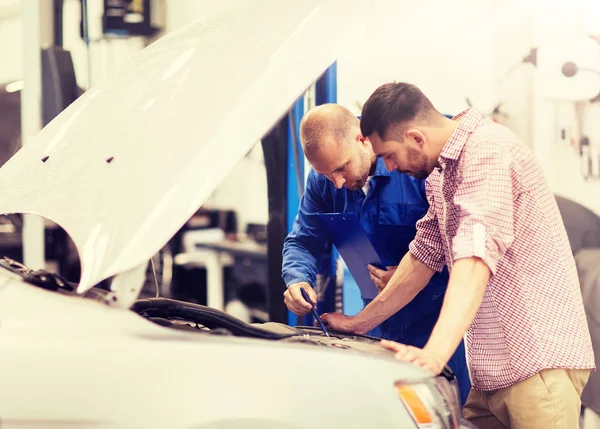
x=503, y=57
x=533, y=65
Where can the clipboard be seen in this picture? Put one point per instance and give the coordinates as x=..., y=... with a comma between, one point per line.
x=354, y=246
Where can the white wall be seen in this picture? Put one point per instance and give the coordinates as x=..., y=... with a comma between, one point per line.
x=443, y=47
x=512, y=79
x=475, y=49
x=10, y=49
x=561, y=162
x=452, y=50
x=11, y=65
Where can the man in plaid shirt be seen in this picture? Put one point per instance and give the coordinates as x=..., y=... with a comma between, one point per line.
x=513, y=290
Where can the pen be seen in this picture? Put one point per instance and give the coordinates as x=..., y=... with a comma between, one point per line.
x=314, y=311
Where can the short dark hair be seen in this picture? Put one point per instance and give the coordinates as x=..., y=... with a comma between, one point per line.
x=392, y=103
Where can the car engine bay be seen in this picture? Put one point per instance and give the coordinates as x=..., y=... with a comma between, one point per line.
x=201, y=319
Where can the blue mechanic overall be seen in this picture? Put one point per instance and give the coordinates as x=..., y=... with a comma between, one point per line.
x=388, y=214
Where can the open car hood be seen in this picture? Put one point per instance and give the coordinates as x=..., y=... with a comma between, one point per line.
x=127, y=164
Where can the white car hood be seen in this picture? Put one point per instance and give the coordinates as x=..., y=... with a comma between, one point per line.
x=173, y=123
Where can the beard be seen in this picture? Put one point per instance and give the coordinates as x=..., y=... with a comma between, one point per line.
x=420, y=161
x=356, y=185
x=365, y=169
x=421, y=174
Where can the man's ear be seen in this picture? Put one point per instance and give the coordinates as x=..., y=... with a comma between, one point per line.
x=362, y=139
x=415, y=136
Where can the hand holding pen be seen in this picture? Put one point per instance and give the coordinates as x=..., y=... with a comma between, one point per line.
x=314, y=311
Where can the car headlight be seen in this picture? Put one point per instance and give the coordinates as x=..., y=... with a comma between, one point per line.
x=432, y=403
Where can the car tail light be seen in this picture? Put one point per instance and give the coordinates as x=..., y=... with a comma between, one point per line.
x=432, y=403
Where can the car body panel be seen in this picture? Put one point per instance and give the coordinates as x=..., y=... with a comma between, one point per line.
x=76, y=361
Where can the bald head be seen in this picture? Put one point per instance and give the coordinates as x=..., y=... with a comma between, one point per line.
x=326, y=123
x=332, y=142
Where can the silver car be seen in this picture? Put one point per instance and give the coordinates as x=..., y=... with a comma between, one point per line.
x=121, y=170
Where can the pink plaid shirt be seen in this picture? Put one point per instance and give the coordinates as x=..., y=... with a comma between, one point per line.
x=489, y=199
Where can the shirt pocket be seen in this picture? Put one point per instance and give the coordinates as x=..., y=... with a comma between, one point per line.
x=400, y=214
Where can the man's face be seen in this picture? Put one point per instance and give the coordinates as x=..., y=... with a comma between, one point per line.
x=405, y=155
x=345, y=164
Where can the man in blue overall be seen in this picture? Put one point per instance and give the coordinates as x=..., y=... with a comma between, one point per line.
x=347, y=177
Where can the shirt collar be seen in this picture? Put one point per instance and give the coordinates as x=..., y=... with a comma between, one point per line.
x=470, y=119
x=381, y=169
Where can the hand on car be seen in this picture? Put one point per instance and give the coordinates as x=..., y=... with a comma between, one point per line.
x=421, y=357
x=294, y=300
x=341, y=322
x=381, y=277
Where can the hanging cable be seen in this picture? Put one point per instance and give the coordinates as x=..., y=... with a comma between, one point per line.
x=155, y=279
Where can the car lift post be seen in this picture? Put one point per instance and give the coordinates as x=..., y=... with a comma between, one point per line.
x=295, y=174
x=325, y=92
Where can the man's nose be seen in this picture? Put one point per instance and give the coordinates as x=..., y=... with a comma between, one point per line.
x=389, y=164
x=338, y=181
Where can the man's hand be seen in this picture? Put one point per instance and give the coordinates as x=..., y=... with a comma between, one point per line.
x=380, y=277
x=421, y=357
x=407, y=281
x=341, y=322
x=294, y=300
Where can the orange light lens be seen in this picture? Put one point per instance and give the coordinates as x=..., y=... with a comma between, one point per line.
x=414, y=404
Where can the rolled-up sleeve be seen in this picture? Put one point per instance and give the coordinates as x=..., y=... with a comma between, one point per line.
x=484, y=204
x=427, y=245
